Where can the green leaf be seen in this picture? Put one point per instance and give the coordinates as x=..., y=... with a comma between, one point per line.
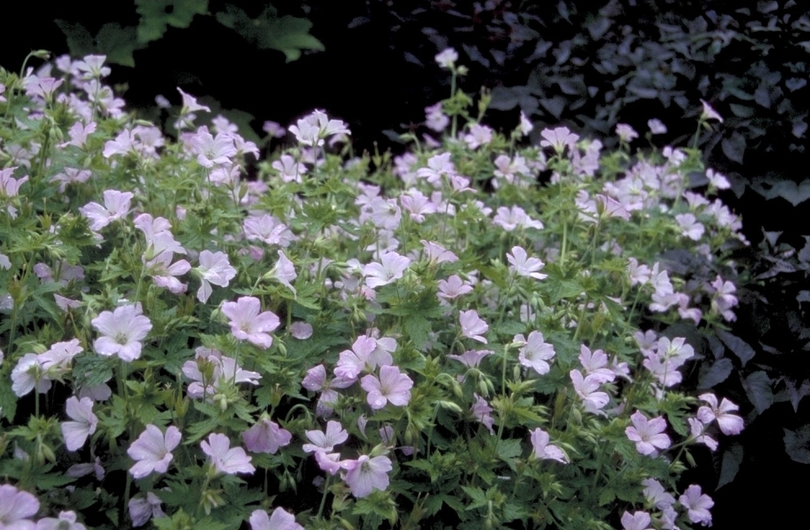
x=509, y=449
x=758, y=388
x=797, y=444
x=156, y=15
x=732, y=458
x=112, y=40
x=287, y=34
x=417, y=329
x=716, y=373
x=734, y=147
x=740, y=348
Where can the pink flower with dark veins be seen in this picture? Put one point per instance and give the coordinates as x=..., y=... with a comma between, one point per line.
x=121, y=332
x=392, y=387
x=248, y=323
x=225, y=459
x=648, y=435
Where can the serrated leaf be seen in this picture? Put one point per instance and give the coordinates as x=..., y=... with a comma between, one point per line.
x=740, y=348
x=156, y=15
x=417, y=329
x=732, y=459
x=716, y=373
x=734, y=147
x=758, y=388
x=509, y=449
x=797, y=444
x=287, y=34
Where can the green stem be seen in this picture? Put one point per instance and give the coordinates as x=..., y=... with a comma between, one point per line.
x=323, y=498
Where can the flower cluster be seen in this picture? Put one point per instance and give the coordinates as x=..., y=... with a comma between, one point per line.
x=345, y=342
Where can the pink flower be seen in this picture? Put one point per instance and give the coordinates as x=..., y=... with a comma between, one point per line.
x=648, y=434
x=542, y=450
x=325, y=442
x=698, y=429
x=392, y=386
x=122, y=331
x=214, y=268
x=141, y=509
x=587, y=389
x=558, y=138
x=522, y=265
x=76, y=432
x=266, y=437
x=729, y=423
x=301, y=330
x=223, y=458
x=280, y=520
x=655, y=493
x=247, y=323
x=284, y=271
x=152, y=451
x=452, y=288
x=481, y=411
x=66, y=521
x=697, y=505
x=709, y=113
x=636, y=521
x=438, y=254
x=365, y=474
x=535, y=352
x=390, y=268
x=447, y=58
x=352, y=362
x=472, y=326
x=16, y=507
x=116, y=206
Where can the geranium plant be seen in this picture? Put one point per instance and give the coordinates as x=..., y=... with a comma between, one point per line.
x=449, y=339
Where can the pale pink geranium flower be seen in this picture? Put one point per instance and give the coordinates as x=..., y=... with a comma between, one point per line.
x=482, y=412
x=452, y=288
x=279, y=520
x=301, y=330
x=525, y=124
x=435, y=118
x=266, y=437
x=393, y=386
x=225, y=459
x=717, y=180
x=152, y=451
x=558, y=138
x=141, y=509
x=212, y=150
x=66, y=521
x=542, y=450
x=729, y=423
x=325, y=442
x=122, y=332
x=587, y=388
x=655, y=493
x=390, y=268
x=479, y=135
x=697, y=505
x=522, y=265
x=116, y=206
x=352, y=362
x=649, y=435
x=27, y=374
x=16, y=506
x=511, y=218
x=83, y=425
x=698, y=430
x=247, y=323
x=636, y=521
x=472, y=326
x=314, y=128
x=535, y=352
x=626, y=133
x=447, y=58
x=656, y=126
x=214, y=269
x=709, y=113
x=289, y=170
x=365, y=474
x=436, y=253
